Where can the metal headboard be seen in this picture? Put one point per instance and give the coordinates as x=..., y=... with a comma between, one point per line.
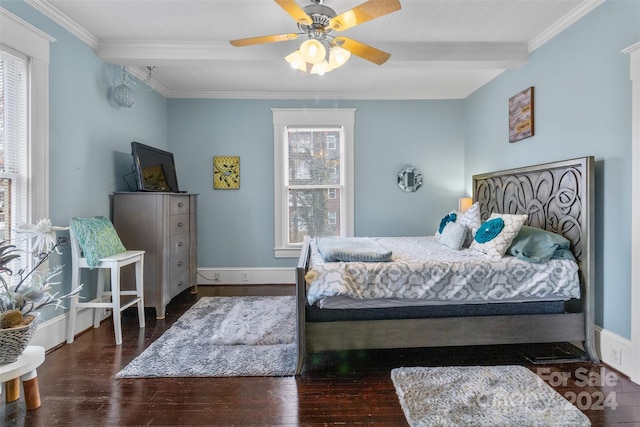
x=557, y=196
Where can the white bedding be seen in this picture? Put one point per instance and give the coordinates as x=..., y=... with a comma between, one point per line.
x=423, y=269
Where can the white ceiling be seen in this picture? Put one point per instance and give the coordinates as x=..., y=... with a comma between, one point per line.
x=440, y=49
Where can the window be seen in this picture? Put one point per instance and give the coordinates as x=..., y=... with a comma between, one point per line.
x=24, y=127
x=313, y=184
x=333, y=218
x=13, y=141
x=331, y=142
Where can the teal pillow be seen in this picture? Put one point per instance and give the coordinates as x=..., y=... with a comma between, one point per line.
x=97, y=238
x=537, y=245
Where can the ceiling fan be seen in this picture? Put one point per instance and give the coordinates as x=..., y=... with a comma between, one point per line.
x=319, y=22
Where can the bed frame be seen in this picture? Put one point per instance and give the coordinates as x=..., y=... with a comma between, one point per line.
x=558, y=197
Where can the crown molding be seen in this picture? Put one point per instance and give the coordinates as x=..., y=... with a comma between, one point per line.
x=64, y=21
x=632, y=48
x=564, y=23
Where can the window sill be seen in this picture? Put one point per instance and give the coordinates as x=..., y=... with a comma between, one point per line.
x=287, y=252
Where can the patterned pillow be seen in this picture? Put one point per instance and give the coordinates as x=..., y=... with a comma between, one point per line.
x=450, y=217
x=496, y=234
x=453, y=235
x=470, y=219
x=97, y=238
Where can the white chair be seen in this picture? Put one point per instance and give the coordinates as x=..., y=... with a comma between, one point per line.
x=98, y=230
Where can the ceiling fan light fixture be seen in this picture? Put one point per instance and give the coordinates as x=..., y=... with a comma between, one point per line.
x=296, y=61
x=338, y=57
x=313, y=51
x=321, y=68
x=318, y=22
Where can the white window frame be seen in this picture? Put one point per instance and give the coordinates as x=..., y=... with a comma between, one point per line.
x=634, y=369
x=283, y=117
x=19, y=35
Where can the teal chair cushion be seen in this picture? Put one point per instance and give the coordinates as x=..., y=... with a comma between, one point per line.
x=97, y=238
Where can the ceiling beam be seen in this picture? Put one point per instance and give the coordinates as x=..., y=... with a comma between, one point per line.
x=437, y=55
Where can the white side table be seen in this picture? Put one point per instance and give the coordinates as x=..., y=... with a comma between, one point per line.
x=23, y=369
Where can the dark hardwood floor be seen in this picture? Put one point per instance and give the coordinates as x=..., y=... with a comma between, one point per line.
x=78, y=388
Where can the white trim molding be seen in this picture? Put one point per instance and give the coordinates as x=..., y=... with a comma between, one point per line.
x=64, y=21
x=634, y=53
x=53, y=332
x=283, y=117
x=32, y=42
x=246, y=276
x=614, y=350
x=18, y=34
x=568, y=20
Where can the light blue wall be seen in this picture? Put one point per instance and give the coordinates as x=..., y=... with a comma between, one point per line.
x=236, y=228
x=582, y=107
x=90, y=137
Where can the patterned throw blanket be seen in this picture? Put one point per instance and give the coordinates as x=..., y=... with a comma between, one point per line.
x=352, y=249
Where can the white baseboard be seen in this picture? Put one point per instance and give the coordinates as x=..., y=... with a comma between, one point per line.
x=246, y=276
x=613, y=350
x=53, y=332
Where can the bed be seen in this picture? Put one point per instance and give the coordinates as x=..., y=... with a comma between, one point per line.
x=556, y=197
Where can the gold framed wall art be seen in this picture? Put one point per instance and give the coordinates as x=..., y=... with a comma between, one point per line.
x=521, y=115
x=226, y=172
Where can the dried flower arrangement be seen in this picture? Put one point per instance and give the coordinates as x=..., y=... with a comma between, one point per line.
x=20, y=299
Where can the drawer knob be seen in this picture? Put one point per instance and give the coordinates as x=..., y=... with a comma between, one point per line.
x=179, y=263
x=180, y=204
x=180, y=283
x=180, y=244
x=179, y=224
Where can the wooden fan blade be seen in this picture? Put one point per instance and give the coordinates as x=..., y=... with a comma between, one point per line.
x=263, y=39
x=365, y=12
x=296, y=12
x=362, y=50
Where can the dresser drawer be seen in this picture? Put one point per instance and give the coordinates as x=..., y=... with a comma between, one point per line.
x=178, y=244
x=178, y=264
x=178, y=205
x=178, y=224
x=179, y=282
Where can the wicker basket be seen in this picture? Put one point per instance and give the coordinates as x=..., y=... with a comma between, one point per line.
x=13, y=341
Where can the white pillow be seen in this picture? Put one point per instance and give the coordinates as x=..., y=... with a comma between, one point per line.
x=497, y=233
x=453, y=235
x=450, y=217
x=470, y=219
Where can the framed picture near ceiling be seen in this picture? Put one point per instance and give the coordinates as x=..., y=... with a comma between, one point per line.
x=226, y=172
x=521, y=115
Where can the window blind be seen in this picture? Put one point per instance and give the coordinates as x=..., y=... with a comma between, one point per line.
x=13, y=141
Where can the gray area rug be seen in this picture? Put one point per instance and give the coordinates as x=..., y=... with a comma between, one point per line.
x=224, y=337
x=481, y=396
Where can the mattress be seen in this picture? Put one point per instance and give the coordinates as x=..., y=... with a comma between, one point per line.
x=424, y=271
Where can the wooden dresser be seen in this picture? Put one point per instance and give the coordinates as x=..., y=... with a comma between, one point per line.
x=163, y=225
